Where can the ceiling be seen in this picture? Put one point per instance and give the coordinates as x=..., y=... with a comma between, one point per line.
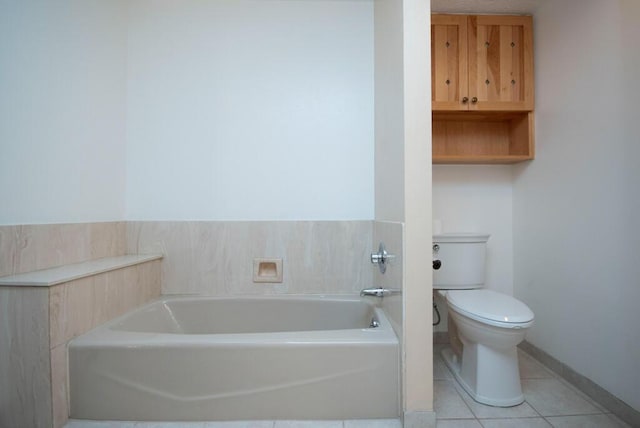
x=513, y=7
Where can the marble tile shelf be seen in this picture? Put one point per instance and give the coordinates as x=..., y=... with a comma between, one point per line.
x=71, y=272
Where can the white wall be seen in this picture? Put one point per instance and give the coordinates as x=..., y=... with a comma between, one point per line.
x=177, y=111
x=468, y=198
x=62, y=80
x=389, y=112
x=250, y=110
x=576, y=232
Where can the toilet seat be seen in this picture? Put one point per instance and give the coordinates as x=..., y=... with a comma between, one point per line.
x=490, y=307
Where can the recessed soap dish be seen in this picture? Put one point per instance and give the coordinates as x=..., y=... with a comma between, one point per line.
x=267, y=270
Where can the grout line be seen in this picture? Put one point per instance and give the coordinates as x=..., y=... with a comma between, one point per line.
x=534, y=409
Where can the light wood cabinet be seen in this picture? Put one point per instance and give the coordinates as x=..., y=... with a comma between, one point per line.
x=482, y=88
x=449, y=65
x=482, y=62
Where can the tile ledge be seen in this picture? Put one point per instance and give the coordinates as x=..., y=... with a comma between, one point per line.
x=65, y=273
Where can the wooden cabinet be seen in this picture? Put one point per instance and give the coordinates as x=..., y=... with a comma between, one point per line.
x=482, y=88
x=449, y=65
x=482, y=62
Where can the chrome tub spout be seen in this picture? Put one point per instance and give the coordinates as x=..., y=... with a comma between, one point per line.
x=380, y=292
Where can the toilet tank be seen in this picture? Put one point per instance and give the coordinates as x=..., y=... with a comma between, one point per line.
x=462, y=257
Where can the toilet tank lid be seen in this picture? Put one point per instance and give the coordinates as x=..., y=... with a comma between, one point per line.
x=461, y=237
x=490, y=305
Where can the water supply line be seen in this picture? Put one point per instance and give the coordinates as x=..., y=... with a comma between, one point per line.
x=437, y=264
x=435, y=308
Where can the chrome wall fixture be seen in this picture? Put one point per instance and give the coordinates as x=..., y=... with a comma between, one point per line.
x=380, y=292
x=381, y=258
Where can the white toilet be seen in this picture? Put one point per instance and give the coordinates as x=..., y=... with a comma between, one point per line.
x=484, y=326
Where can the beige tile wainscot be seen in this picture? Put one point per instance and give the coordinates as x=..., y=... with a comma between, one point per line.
x=41, y=311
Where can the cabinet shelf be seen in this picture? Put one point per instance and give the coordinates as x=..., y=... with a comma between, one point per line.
x=480, y=160
x=482, y=137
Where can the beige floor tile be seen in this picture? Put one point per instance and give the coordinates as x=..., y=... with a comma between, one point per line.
x=81, y=423
x=550, y=397
x=458, y=423
x=168, y=425
x=240, y=424
x=440, y=370
x=515, y=423
x=373, y=423
x=309, y=424
x=583, y=395
x=481, y=411
x=585, y=421
x=448, y=404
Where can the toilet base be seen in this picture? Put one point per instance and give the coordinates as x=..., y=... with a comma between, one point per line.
x=455, y=365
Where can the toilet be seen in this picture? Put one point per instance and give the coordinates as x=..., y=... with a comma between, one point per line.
x=484, y=326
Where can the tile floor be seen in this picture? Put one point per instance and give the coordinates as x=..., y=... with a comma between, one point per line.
x=361, y=423
x=549, y=402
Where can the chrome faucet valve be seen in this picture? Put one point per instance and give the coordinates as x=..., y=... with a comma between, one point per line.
x=381, y=258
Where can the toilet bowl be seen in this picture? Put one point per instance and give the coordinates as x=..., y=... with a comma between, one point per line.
x=485, y=326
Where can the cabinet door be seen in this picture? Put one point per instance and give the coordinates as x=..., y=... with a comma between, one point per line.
x=449, y=81
x=500, y=63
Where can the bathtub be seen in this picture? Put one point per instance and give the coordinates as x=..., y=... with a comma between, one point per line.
x=201, y=358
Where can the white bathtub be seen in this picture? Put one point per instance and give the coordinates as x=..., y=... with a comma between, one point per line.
x=200, y=358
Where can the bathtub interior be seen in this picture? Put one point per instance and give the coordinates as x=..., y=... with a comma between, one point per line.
x=248, y=315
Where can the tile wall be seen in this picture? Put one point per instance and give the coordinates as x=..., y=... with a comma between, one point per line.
x=76, y=307
x=26, y=248
x=25, y=373
x=39, y=322
x=216, y=257
x=211, y=258
x=207, y=257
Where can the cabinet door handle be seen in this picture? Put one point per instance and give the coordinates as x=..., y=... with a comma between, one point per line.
x=465, y=100
x=474, y=100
